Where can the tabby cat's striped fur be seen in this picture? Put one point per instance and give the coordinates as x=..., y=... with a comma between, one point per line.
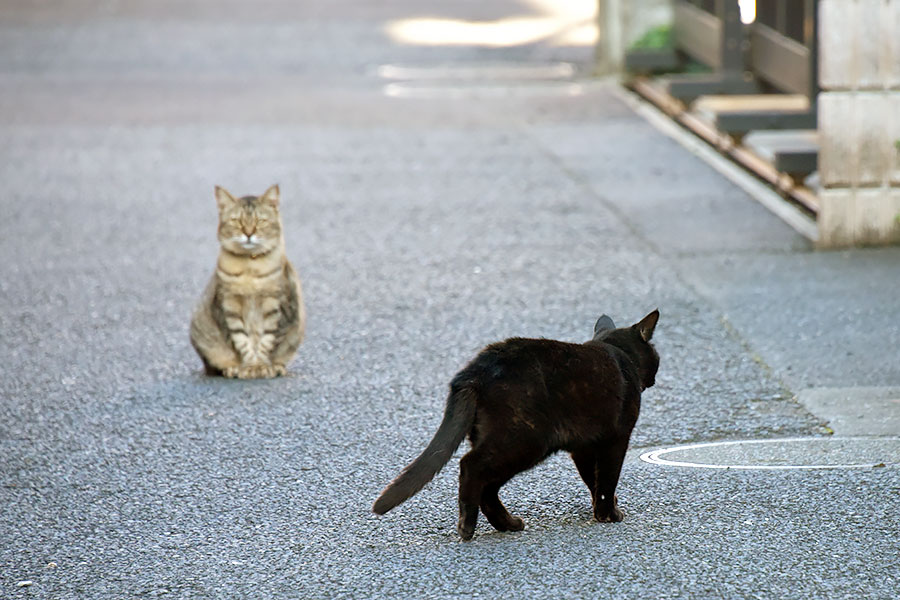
x=250, y=319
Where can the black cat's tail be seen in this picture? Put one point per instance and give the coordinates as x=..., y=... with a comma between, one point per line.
x=459, y=415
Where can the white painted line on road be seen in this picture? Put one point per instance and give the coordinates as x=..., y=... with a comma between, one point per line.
x=655, y=456
x=407, y=90
x=476, y=71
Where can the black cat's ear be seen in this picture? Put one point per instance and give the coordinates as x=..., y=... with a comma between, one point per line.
x=604, y=323
x=646, y=325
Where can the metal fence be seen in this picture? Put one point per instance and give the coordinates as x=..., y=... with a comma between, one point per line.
x=782, y=45
x=775, y=52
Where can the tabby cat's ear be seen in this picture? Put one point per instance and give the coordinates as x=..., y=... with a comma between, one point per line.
x=646, y=325
x=272, y=196
x=604, y=323
x=223, y=198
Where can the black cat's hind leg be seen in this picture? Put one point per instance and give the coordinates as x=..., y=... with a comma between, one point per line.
x=470, y=488
x=586, y=463
x=481, y=474
x=495, y=512
x=608, y=467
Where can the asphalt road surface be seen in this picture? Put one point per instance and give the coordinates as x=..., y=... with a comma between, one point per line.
x=429, y=212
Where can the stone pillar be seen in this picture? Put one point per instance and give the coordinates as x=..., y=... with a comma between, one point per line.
x=620, y=23
x=859, y=122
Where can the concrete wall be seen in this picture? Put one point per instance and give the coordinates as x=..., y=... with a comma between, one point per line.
x=621, y=23
x=859, y=122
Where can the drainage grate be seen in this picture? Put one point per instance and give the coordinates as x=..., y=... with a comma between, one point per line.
x=790, y=453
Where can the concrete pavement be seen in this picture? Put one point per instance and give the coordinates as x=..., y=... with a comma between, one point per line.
x=423, y=228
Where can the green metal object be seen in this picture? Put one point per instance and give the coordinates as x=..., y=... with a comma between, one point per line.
x=741, y=122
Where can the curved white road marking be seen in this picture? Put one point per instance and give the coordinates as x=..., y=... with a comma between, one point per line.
x=655, y=456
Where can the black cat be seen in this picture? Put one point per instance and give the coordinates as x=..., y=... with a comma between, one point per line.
x=522, y=400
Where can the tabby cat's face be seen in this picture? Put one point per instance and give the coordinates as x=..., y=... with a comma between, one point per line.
x=249, y=226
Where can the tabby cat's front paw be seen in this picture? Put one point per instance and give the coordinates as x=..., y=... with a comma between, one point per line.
x=231, y=372
x=256, y=372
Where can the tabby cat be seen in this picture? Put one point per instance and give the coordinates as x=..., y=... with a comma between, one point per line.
x=521, y=400
x=250, y=320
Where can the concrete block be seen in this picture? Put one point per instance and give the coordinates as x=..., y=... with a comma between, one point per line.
x=894, y=137
x=860, y=217
x=838, y=153
x=890, y=44
x=867, y=39
x=859, y=44
x=837, y=212
x=857, y=134
x=877, y=216
x=872, y=138
x=837, y=50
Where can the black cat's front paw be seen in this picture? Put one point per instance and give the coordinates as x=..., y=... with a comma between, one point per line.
x=609, y=514
x=465, y=533
x=613, y=516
